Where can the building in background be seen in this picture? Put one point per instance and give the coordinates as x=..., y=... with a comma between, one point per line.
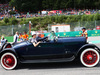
x=60, y=28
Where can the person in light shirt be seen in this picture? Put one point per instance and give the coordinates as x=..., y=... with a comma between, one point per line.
x=34, y=41
x=3, y=40
x=16, y=37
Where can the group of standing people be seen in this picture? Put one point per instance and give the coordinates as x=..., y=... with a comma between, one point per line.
x=20, y=36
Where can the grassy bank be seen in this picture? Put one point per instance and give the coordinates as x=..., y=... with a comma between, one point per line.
x=42, y=22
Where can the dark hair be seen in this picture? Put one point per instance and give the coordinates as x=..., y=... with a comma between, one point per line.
x=24, y=31
x=84, y=28
x=33, y=35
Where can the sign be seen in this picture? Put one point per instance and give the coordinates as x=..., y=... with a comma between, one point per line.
x=60, y=28
x=98, y=27
x=44, y=12
x=91, y=33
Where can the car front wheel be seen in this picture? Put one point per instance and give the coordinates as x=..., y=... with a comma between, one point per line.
x=8, y=61
x=89, y=57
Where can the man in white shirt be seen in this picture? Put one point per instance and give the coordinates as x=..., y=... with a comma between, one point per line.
x=34, y=41
x=16, y=36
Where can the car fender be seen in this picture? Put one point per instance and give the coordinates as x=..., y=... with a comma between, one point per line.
x=87, y=46
x=8, y=50
x=5, y=46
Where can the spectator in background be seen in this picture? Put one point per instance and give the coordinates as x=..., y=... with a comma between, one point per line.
x=21, y=37
x=3, y=40
x=16, y=37
x=25, y=36
x=84, y=33
x=42, y=35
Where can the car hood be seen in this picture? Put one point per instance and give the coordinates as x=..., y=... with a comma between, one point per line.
x=72, y=39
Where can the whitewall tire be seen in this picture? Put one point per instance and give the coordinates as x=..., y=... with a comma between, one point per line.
x=8, y=61
x=89, y=57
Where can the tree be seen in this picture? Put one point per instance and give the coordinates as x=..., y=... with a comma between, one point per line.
x=37, y=5
x=4, y=1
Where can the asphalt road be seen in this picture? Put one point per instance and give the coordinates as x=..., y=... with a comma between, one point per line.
x=71, y=68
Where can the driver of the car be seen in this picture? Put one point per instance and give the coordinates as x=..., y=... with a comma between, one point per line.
x=34, y=41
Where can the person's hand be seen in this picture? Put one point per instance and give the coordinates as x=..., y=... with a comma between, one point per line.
x=39, y=42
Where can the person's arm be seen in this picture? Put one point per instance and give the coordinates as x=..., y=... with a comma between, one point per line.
x=26, y=37
x=86, y=35
x=35, y=44
x=14, y=38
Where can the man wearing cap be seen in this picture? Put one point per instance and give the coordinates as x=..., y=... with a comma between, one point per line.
x=84, y=33
x=34, y=41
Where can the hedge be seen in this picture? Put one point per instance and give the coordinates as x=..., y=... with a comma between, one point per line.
x=42, y=22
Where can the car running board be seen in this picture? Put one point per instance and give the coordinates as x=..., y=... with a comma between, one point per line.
x=49, y=60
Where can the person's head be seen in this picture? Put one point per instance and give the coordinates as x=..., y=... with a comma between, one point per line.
x=20, y=33
x=39, y=34
x=17, y=33
x=83, y=29
x=24, y=32
x=34, y=36
x=2, y=37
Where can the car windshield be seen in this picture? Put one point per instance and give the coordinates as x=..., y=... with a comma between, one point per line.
x=52, y=36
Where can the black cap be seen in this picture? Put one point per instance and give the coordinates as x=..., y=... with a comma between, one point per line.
x=83, y=28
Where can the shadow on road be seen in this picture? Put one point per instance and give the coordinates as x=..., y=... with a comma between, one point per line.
x=50, y=65
x=74, y=64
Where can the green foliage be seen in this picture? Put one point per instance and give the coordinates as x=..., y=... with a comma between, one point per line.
x=12, y=12
x=42, y=22
x=6, y=20
x=14, y=21
x=37, y=5
x=24, y=21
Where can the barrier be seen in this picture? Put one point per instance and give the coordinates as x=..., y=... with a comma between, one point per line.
x=91, y=33
x=75, y=33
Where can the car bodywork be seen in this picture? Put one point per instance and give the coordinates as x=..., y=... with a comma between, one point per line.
x=61, y=50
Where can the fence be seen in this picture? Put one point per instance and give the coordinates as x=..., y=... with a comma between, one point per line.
x=11, y=29
x=77, y=26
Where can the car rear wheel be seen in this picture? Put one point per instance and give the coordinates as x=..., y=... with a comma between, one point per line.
x=89, y=57
x=8, y=61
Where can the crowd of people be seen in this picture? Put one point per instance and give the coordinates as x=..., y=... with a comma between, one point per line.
x=56, y=12
x=25, y=37
x=20, y=36
x=6, y=9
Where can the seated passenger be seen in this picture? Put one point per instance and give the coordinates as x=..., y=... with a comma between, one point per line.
x=38, y=36
x=34, y=41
